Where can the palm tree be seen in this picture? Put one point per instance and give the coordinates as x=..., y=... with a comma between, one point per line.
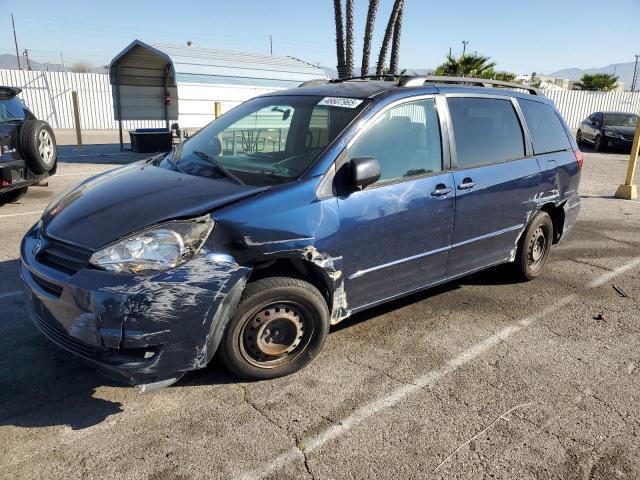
x=397, y=5
x=395, y=46
x=368, y=34
x=598, y=82
x=468, y=66
x=349, y=57
x=337, y=10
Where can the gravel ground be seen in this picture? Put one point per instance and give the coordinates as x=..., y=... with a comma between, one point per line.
x=480, y=378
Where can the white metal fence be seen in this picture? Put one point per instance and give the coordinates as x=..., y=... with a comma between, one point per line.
x=576, y=105
x=48, y=95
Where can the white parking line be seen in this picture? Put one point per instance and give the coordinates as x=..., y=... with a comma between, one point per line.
x=382, y=403
x=20, y=214
x=10, y=294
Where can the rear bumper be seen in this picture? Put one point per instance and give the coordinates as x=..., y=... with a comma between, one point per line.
x=142, y=329
x=15, y=174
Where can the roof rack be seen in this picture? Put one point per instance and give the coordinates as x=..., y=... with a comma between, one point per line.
x=418, y=81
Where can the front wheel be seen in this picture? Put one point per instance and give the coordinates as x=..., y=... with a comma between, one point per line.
x=535, y=247
x=598, y=144
x=279, y=326
x=579, y=138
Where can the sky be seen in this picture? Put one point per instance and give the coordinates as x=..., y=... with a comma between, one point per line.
x=521, y=36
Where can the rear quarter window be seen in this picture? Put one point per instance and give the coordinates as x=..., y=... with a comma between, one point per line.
x=12, y=109
x=547, y=133
x=486, y=130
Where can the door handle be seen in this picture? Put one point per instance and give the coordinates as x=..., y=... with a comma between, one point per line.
x=466, y=184
x=441, y=190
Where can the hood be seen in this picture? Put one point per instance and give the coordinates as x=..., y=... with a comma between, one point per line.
x=626, y=131
x=117, y=203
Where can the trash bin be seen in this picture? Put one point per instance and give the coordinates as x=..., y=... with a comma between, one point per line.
x=148, y=140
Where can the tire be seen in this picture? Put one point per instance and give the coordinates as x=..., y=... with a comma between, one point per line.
x=579, y=140
x=598, y=146
x=38, y=145
x=535, y=247
x=13, y=195
x=279, y=326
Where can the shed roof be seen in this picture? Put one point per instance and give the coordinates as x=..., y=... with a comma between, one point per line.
x=193, y=64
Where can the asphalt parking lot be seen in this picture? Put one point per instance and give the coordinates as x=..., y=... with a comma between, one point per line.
x=480, y=378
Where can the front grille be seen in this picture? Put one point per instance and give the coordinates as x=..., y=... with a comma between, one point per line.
x=62, y=338
x=63, y=256
x=49, y=287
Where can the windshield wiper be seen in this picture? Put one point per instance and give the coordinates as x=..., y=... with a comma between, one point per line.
x=219, y=166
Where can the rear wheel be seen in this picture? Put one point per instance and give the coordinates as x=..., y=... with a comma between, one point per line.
x=279, y=326
x=535, y=247
x=13, y=195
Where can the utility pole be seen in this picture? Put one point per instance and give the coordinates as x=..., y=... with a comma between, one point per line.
x=635, y=75
x=64, y=69
x=26, y=55
x=271, y=44
x=15, y=40
x=464, y=46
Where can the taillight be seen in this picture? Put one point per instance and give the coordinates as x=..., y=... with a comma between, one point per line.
x=579, y=157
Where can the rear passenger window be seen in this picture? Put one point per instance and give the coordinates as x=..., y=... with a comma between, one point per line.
x=547, y=132
x=405, y=140
x=486, y=130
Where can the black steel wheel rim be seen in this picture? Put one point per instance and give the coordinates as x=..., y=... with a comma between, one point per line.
x=538, y=247
x=275, y=334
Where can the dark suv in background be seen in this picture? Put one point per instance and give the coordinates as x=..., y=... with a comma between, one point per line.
x=27, y=147
x=613, y=130
x=338, y=197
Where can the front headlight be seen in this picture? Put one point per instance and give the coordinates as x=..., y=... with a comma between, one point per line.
x=611, y=133
x=159, y=248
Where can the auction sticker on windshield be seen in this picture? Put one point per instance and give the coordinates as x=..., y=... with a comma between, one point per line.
x=340, y=102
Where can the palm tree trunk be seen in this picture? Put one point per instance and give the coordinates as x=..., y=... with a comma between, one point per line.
x=368, y=34
x=395, y=46
x=349, y=48
x=337, y=9
x=387, y=36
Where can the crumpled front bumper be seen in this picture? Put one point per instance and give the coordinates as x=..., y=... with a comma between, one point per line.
x=142, y=328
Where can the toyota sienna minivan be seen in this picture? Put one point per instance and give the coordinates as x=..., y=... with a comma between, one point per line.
x=292, y=212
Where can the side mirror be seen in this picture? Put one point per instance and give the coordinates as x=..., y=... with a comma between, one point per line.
x=216, y=146
x=364, y=171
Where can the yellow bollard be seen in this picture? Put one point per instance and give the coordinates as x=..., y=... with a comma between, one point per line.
x=629, y=190
x=217, y=109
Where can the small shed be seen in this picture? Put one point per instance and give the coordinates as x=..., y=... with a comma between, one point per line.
x=169, y=83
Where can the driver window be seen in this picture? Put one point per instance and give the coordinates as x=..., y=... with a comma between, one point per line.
x=405, y=140
x=264, y=131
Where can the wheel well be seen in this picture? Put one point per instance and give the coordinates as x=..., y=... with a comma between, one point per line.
x=556, y=212
x=297, y=268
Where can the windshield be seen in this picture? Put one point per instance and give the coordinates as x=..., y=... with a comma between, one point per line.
x=620, y=119
x=266, y=140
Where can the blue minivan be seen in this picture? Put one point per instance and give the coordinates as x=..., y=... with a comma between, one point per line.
x=290, y=213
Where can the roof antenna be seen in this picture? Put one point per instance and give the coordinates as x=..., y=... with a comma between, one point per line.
x=189, y=43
